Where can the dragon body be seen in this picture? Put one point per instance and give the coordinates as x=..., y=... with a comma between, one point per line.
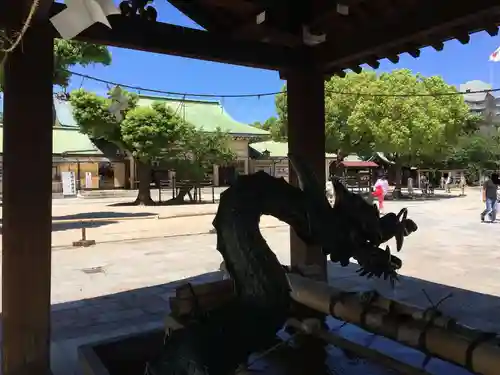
x=219, y=341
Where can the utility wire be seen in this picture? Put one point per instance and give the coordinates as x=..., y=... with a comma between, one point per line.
x=272, y=93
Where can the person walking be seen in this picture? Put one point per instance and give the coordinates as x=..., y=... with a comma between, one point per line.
x=442, y=182
x=423, y=184
x=381, y=189
x=409, y=184
x=448, y=183
x=463, y=183
x=489, y=195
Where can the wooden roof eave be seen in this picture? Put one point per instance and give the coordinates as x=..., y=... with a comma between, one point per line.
x=430, y=25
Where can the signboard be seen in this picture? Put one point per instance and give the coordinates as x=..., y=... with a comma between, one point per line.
x=88, y=180
x=68, y=183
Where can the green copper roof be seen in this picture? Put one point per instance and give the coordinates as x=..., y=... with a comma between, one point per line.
x=67, y=140
x=276, y=149
x=206, y=115
x=71, y=141
x=64, y=114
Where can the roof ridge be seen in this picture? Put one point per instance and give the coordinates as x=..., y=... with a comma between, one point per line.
x=177, y=99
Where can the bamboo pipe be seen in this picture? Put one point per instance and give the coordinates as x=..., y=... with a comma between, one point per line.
x=482, y=357
x=367, y=353
x=201, y=297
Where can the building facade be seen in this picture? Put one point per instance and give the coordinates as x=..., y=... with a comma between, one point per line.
x=271, y=157
x=484, y=104
x=73, y=151
x=210, y=116
x=99, y=165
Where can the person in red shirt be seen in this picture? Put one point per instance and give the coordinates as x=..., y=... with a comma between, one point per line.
x=381, y=188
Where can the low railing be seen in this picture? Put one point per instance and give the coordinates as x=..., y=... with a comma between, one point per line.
x=197, y=188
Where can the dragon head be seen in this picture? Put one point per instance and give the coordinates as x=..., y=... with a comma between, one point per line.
x=349, y=229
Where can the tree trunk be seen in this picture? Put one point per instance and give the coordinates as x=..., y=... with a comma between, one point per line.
x=396, y=194
x=144, y=174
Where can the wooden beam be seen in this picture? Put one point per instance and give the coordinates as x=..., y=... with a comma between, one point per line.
x=185, y=42
x=27, y=220
x=240, y=6
x=175, y=40
x=431, y=18
x=263, y=33
x=324, y=21
x=306, y=105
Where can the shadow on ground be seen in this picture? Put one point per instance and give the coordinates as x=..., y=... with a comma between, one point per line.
x=420, y=197
x=103, y=215
x=91, y=219
x=163, y=203
x=144, y=309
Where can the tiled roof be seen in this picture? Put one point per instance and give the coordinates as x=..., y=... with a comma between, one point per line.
x=206, y=115
x=64, y=114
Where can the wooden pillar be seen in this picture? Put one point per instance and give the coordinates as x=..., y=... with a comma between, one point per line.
x=27, y=195
x=306, y=140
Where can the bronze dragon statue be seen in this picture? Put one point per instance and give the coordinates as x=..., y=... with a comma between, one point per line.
x=219, y=341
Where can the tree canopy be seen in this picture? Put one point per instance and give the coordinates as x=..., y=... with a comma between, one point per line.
x=155, y=133
x=407, y=127
x=68, y=53
x=404, y=127
x=477, y=149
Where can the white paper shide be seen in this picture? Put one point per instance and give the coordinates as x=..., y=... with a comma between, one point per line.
x=119, y=102
x=81, y=14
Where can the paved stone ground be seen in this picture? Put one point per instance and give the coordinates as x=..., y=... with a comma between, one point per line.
x=123, y=286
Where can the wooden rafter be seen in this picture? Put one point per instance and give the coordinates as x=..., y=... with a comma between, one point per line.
x=430, y=24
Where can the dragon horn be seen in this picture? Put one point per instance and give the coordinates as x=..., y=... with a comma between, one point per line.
x=308, y=180
x=403, y=214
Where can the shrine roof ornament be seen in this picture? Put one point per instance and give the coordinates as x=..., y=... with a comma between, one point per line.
x=79, y=15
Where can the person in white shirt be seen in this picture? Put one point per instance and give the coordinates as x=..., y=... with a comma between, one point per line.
x=409, y=184
x=448, y=183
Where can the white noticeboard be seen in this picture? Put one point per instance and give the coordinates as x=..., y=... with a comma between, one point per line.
x=88, y=180
x=68, y=183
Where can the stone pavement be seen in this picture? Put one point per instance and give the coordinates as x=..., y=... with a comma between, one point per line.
x=123, y=286
x=107, y=226
x=106, y=231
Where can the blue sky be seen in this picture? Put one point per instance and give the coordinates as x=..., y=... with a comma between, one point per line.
x=456, y=63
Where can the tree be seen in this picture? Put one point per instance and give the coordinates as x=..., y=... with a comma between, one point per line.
x=68, y=53
x=407, y=128
x=148, y=134
x=144, y=133
x=199, y=151
x=274, y=126
x=340, y=137
x=474, y=152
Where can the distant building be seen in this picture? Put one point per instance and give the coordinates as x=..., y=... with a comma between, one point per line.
x=210, y=115
x=484, y=104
